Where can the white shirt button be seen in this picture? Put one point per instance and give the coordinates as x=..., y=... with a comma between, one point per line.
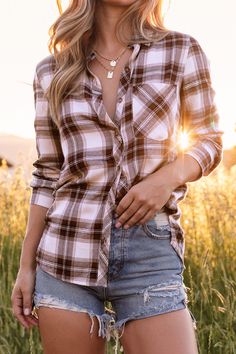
x=120, y=99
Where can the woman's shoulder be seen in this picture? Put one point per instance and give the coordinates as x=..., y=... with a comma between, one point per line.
x=178, y=45
x=44, y=69
x=178, y=38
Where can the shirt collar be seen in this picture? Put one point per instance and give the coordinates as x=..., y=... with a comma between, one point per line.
x=136, y=47
x=136, y=37
x=156, y=35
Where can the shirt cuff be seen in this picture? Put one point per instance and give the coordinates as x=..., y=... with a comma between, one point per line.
x=205, y=156
x=41, y=196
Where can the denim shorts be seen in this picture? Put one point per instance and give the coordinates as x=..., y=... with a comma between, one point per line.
x=145, y=278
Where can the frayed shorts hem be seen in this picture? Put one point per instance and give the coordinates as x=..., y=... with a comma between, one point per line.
x=108, y=327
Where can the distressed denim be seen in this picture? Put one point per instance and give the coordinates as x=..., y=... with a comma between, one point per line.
x=145, y=279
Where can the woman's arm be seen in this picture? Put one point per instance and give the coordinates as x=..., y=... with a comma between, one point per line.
x=44, y=178
x=200, y=120
x=46, y=174
x=34, y=230
x=50, y=156
x=22, y=292
x=183, y=169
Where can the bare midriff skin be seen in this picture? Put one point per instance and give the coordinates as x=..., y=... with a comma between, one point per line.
x=110, y=86
x=67, y=332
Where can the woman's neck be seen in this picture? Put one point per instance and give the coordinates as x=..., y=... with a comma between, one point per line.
x=107, y=17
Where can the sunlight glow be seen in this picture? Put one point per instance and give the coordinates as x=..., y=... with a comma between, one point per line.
x=31, y=45
x=183, y=140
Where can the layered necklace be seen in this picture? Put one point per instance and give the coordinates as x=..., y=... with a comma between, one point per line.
x=112, y=61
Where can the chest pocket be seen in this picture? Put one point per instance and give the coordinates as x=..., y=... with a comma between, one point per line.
x=154, y=109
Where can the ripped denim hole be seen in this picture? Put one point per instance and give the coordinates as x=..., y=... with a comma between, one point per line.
x=54, y=302
x=161, y=290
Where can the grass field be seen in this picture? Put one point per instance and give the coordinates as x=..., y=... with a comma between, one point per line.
x=208, y=218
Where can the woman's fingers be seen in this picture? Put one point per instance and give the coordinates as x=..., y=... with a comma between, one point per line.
x=21, y=300
x=27, y=301
x=17, y=307
x=148, y=216
x=32, y=320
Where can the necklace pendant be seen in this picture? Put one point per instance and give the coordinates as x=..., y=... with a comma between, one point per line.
x=109, y=74
x=113, y=63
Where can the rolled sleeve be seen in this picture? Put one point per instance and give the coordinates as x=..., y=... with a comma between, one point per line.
x=48, y=146
x=200, y=118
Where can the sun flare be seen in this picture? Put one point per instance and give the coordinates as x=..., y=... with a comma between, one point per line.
x=183, y=140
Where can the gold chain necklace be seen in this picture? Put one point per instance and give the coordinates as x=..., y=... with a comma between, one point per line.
x=109, y=72
x=113, y=63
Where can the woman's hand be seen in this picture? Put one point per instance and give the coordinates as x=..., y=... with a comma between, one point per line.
x=21, y=297
x=144, y=199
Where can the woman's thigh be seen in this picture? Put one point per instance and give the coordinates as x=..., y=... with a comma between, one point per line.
x=72, y=318
x=67, y=332
x=160, y=334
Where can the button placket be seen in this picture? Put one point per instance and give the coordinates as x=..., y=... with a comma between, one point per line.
x=118, y=136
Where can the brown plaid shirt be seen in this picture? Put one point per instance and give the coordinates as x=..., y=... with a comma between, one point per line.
x=87, y=164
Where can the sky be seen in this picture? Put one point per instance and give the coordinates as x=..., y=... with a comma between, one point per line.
x=24, y=27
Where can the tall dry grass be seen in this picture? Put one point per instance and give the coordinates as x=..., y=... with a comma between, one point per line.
x=208, y=218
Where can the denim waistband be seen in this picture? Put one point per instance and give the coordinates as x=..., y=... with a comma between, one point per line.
x=161, y=217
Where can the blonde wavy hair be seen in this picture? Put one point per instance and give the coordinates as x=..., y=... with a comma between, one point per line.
x=72, y=36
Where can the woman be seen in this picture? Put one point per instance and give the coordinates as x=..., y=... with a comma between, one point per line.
x=104, y=216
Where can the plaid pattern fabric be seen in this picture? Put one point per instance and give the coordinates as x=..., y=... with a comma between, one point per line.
x=88, y=163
